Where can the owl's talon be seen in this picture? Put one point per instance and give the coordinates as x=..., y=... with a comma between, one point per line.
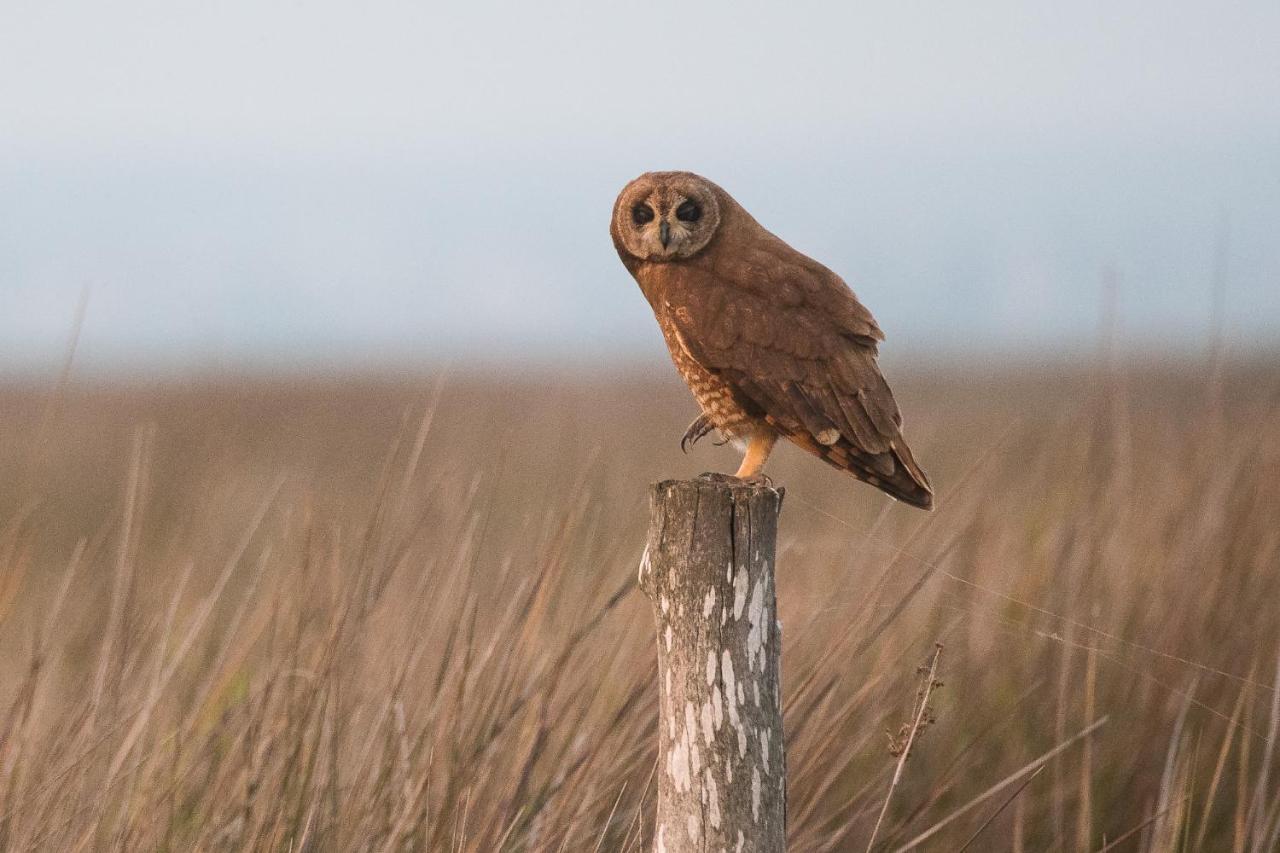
x=701, y=426
x=731, y=480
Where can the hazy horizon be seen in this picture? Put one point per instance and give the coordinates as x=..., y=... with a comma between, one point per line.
x=416, y=183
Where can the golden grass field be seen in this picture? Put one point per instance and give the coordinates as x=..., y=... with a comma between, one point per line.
x=399, y=613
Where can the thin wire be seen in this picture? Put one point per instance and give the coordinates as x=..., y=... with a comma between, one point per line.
x=900, y=551
x=1109, y=656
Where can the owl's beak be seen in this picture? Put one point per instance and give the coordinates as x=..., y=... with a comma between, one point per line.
x=664, y=233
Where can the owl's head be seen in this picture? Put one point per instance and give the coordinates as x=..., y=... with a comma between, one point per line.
x=666, y=216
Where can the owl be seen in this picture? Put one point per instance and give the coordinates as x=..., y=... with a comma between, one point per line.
x=770, y=341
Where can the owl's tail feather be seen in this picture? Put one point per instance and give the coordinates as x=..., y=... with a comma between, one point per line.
x=895, y=473
x=917, y=491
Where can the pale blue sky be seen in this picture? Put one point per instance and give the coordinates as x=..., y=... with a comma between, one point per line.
x=281, y=182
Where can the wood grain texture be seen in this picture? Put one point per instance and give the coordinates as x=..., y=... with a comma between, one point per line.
x=709, y=571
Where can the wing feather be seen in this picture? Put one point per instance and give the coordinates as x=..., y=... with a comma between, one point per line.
x=792, y=339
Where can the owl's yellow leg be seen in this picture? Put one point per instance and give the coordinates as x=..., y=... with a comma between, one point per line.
x=758, y=449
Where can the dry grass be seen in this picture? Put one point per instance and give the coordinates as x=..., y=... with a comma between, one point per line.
x=363, y=615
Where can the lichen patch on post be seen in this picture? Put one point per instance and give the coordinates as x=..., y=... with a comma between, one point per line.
x=755, y=794
x=730, y=685
x=691, y=737
x=713, y=800
x=755, y=639
x=739, y=593
x=678, y=765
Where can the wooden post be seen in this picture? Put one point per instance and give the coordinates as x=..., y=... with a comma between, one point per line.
x=708, y=568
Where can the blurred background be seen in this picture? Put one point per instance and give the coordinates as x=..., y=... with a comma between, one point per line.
x=270, y=185
x=327, y=414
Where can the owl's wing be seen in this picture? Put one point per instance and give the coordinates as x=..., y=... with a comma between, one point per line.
x=793, y=341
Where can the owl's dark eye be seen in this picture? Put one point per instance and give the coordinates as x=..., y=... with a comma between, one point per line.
x=641, y=213
x=689, y=212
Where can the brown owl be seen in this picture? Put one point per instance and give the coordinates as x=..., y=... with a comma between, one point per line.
x=770, y=341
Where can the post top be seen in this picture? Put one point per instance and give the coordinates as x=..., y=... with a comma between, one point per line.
x=721, y=484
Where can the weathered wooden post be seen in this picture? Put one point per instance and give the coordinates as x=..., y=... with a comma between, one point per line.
x=709, y=570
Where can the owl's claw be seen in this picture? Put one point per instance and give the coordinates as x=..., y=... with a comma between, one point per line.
x=759, y=479
x=701, y=426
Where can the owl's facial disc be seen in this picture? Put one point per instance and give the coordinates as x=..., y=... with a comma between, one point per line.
x=667, y=220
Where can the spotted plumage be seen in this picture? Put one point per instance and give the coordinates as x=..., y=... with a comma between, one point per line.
x=771, y=342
